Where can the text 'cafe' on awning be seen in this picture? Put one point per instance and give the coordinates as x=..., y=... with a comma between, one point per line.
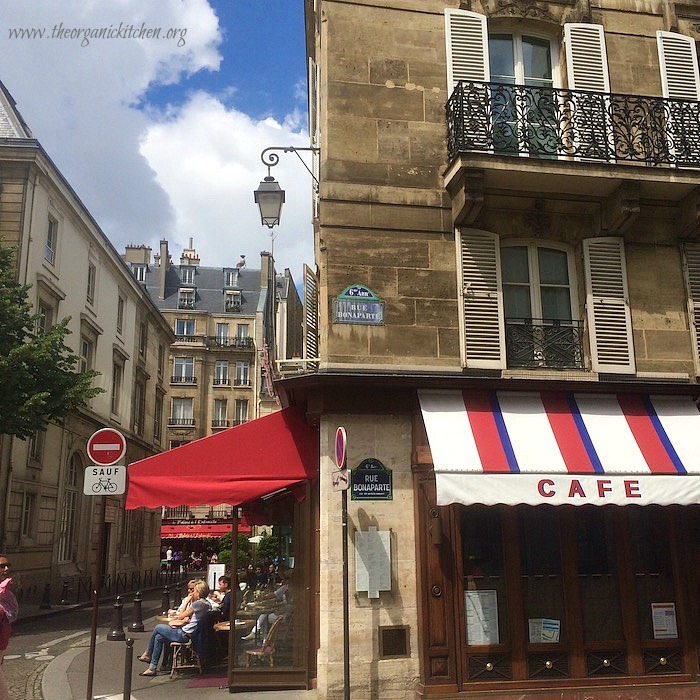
x=559, y=537
x=267, y=470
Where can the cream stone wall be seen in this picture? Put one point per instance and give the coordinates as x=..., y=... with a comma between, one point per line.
x=387, y=438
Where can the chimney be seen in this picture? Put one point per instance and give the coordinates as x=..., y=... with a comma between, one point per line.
x=138, y=254
x=266, y=264
x=164, y=264
x=189, y=255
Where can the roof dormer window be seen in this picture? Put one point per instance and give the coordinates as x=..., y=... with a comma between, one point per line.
x=232, y=300
x=187, y=274
x=230, y=277
x=185, y=298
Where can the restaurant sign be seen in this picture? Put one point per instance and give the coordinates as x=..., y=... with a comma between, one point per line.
x=358, y=304
x=371, y=481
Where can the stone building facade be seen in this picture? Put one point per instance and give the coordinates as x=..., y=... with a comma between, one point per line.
x=506, y=245
x=48, y=526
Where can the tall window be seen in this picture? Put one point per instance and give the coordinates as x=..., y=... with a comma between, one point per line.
x=242, y=373
x=139, y=271
x=220, y=417
x=121, y=305
x=183, y=370
x=158, y=417
x=185, y=299
x=86, y=353
x=36, y=445
x=28, y=515
x=117, y=378
x=222, y=334
x=161, y=360
x=139, y=406
x=44, y=317
x=522, y=121
x=184, y=326
x=143, y=339
x=230, y=277
x=51, y=240
x=241, y=409
x=91, y=281
x=182, y=413
x=69, y=510
x=242, y=330
x=187, y=274
x=221, y=372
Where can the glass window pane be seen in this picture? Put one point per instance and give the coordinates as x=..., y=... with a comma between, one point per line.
x=553, y=266
x=556, y=303
x=516, y=302
x=537, y=59
x=514, y=266
x=501, y=58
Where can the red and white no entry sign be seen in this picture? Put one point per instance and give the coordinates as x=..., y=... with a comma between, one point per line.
x=106, y=446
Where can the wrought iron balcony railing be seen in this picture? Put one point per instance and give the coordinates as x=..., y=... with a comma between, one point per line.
x=231, y=342
x=180, y=421
x=543, y=343
x=183, y=379
x=544, y=122
x=219, y=423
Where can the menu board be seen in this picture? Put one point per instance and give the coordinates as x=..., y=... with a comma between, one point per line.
x=481, y=610
x=663, y=616
x=543, y=630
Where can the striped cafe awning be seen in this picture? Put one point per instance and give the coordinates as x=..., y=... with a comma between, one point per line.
x=514, y=447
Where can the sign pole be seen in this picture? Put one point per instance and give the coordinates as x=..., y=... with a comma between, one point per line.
x=96, y=587
x=340, y=480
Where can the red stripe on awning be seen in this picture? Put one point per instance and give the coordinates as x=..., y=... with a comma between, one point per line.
x=183, y=531
x=566, y=433
x=488, y=441
x=235, y=466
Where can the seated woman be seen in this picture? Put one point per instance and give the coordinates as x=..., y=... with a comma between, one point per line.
x=179, y=629
x=280, y=596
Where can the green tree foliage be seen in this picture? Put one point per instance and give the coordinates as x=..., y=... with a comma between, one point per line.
x=268, y=548
x=39, y=377
x=224, y=545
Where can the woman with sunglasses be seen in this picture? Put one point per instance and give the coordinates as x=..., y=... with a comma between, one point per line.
x=180, y=628
x=8, y=614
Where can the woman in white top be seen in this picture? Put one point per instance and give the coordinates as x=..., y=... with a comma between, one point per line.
x=179, y=628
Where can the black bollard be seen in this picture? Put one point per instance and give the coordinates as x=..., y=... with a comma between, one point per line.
x=116, y=633
x=137, y=624
x=165, y=602
x=128, y=661
x=46, y=598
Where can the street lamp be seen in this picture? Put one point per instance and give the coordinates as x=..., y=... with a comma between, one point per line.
x=270, y=196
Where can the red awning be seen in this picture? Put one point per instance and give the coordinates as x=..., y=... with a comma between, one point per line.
x=180, y=532
x=235, y=466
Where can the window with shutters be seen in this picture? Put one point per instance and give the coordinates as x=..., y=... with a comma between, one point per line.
x=691, y=265
x=519, y=307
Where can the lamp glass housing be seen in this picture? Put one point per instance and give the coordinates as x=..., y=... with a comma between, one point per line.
x=269, y=197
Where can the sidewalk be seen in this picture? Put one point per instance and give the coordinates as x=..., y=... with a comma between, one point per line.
x=65, y=678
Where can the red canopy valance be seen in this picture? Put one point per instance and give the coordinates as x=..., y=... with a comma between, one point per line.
x=235, y=466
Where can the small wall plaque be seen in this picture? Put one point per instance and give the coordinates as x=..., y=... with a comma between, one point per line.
x=358, y=304
x=373, y=561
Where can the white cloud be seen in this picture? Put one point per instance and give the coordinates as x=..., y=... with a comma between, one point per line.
x=146, y=174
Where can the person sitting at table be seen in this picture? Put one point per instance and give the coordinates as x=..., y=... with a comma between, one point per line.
x=280, y=597
x=179, y=629
x=221, y=597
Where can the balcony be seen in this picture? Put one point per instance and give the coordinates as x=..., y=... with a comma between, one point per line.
x=183, y=379
x=190, y=338
x=241, y=382
x=539, y=343
x=240, y=421
x=222, y=381
x=538, y=122
x=180, y=422
x=219, y=423
x=230, y=343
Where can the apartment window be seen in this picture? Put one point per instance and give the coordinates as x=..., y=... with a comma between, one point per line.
x=182, y=411
x=242, y=373
x=221, y=372
x=139, y=406
x=183, y=370
x=158, y=417
x=44, y=319
x=121, y=306
x=117, y=379
x=87, y=353
x=36, y=445
x=161, y=360
x=222, y=334
x=28, y=516
x=220, y=418
x=241, y=411
x=51, y=240
x=69, y=510
x=230, y=277
x=143, y=339
x=187, y=274
x=184, y=326
x=91, y=281
x=185, y=299
x=232, y=301
x=139, y=271
x=242, y=330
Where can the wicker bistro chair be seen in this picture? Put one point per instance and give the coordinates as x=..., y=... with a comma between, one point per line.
x=267, y=649
x=184, y=656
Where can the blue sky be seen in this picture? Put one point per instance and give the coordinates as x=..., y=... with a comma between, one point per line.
x=161, y=137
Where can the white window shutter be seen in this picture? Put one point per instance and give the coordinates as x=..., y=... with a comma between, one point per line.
x=691, y=264
x=586, y=57
x=481, y=300
x=467, y=47
x=311, y=311
x=678, y=60
x=607, y=304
